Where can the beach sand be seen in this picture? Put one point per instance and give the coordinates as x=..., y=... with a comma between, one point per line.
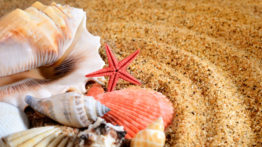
x=205, y=56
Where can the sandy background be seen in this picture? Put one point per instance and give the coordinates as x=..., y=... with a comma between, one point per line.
x=206, y=56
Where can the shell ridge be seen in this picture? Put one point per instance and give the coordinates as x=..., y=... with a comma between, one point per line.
x=26, y=137
x=120, y=109
x=59, y=22
x=48, y=139
x=38, y=138
x=131, y=120
x=56, y=141
x=52, y=48
x=52, y=31
x=22, y=134
x=80, y=110
x=140, y=110
x=63, y=142
x=131, y=115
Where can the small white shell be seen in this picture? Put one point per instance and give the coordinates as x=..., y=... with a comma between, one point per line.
x=12, y=120
x=44, y=50
x=152, y=136
x=71, y=109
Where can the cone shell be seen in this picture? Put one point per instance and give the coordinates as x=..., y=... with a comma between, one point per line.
x=152, y=136
x=71, y=109
x=135, y=108
x=12, y=120
x=99, y=134
x=43, y=49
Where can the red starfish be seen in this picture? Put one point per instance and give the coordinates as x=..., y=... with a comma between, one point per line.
x=116, y=69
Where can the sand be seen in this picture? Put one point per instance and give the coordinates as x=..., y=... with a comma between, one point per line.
x=206, y=56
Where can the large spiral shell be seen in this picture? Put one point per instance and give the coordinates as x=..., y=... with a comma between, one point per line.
x=71, y=109
x=43, y=49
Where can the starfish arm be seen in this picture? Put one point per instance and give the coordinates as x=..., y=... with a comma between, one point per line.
x=112, y=61
x=112, y=82
x=102, y=72
x=127, y=77
x=125, y=62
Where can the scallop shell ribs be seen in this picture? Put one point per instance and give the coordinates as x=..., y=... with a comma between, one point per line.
x=135, y=108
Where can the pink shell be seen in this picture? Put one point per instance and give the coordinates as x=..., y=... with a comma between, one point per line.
x=135, y=108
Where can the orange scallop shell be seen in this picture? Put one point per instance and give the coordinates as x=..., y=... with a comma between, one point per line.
x=135, y=108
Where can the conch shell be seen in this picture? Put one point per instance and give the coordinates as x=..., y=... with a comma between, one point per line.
x=99, y=134
x=152, y=136
x=71, y=109
x=12, y=120
x=44, y=50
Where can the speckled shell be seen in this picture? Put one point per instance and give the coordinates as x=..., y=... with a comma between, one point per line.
x=135, y=108
x=71, y=109
x=102, y=134
x=12, y=120
x=45, y=50
x=152, y=136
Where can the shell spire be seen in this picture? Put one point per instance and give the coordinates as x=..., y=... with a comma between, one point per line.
x=101, y=109
x=95, y=107
x=71, y=109
x=152, y=136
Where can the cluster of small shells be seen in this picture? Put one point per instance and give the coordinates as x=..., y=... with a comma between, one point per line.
x=54, y=52
x=66, y=137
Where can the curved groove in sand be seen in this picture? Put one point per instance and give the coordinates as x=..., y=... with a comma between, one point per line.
x=228, y=48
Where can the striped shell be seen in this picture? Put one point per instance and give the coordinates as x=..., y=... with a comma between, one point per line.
x=98, y=134
x=12, y=120
x=44, y=50
x=43, y=136
x=152, y=136
x=71, y=109
x=135, y=108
